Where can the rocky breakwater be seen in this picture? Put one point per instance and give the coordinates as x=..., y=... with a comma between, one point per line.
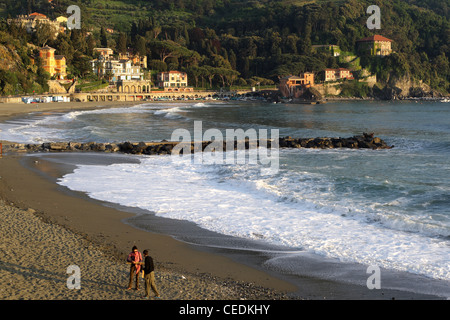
x=364, y=141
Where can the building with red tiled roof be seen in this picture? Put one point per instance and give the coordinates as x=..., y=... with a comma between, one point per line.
x=31, y=21
x=375, y=45
x=376, y=37
x=37, y=14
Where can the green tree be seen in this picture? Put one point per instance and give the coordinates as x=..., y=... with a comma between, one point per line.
x=122, y=43
x=141, y=46
x=43, y=33
x=233, y=59
x=103, y=38
x=81, y=65
x=186, y=35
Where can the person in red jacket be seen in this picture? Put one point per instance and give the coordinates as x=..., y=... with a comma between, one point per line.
x=135, y=259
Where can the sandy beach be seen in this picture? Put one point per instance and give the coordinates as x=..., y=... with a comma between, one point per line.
x=45, y=229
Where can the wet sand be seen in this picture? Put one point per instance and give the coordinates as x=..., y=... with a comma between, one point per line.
x=45, y=228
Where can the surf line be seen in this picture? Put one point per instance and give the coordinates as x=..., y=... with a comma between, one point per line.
x=266, y=150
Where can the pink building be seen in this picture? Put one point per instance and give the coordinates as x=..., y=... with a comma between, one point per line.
x=338, y=74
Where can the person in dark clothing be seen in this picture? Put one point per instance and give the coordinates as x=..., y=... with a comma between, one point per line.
x=149, y=275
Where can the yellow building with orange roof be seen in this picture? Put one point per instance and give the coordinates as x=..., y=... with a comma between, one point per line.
x=53, y=64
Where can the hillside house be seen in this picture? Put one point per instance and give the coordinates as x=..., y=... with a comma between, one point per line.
x=136, y=59
x=105, y=52
x=53, y=64
x=337, y=74
x=116, y=69
x=31, y=21
x=292, y=86
x=375, y=46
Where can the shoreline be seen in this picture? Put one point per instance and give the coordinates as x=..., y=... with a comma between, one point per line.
x=110, y=230
x=33, y=192
x=190, y=260
x=11, y=110
x=103, y=229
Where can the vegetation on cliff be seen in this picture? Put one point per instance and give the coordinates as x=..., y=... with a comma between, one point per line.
x=234, y=42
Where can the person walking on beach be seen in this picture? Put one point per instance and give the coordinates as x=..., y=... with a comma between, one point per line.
x=135, y=259
x=149, y=276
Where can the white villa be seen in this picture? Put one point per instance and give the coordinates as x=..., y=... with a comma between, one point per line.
x=116, y=70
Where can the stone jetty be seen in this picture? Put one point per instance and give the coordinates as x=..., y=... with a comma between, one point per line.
x=364, y=141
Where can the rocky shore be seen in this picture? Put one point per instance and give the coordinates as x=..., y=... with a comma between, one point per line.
x=364, y=141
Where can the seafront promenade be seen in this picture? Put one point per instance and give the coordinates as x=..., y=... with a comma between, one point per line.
x=149, y=96
x=129, y=96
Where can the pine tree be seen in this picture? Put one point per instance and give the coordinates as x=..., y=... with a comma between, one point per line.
x=141, y=48
x=103, y=38
x=122, y=43
x=186, y=35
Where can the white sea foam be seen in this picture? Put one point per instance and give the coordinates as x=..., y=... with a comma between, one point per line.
x=45, y=128
x=32, y=130
x=174, y=111
x=141, y=108
x=170, y=112
x=235, y=200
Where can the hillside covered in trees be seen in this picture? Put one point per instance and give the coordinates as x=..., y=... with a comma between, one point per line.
x=233, y=42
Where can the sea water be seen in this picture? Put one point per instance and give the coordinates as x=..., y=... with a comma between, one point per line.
x=389, y=208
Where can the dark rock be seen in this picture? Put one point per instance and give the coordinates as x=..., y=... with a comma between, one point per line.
x=126, y=147
x=46, y=146
x=283, y=143
x=98, y=147
x=111, y=147
x=150, y=150
x=336, y=142
x=311, y=143
x=349, y=143
x=138, y=148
